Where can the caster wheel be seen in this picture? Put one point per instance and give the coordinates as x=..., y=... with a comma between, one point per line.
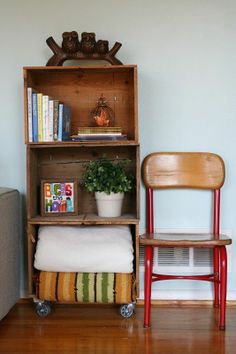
x=127, y=310
x=43, y=309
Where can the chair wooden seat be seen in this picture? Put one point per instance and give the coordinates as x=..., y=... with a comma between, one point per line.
x=200, y=171
x=201, y=240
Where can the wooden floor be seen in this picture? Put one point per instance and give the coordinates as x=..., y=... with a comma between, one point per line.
x=101, y=330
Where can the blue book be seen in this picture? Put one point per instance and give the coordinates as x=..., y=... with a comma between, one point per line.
x=66, y=123
x=97, y=138
x=34, y=117
x=60, y=120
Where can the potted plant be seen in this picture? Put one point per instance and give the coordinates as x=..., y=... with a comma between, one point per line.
x=109, y=180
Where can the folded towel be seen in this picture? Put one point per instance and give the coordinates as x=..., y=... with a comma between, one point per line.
x=103, y=248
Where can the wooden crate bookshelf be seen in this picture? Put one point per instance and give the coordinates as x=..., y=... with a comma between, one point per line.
x=80, y=88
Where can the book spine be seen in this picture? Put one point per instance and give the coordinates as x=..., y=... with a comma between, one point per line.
x=91, y=138
x=35, y=116
x=40, y=117
x=102, y=130
x=50, y=119
x=60, y=121
x=55, y=119
x=45, y=103
x=66, y=123
x=99, y=134
x=30, y=114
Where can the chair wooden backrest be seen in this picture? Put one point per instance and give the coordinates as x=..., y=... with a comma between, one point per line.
x=183, y=170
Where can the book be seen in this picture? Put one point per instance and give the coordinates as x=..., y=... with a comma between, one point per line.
x=30, y=114
x=64, y=122
x=99, y=130
x=45, y=111
x=55, y=119
x=99, y=134
x=60, y=115
x=40, y=116
x=50, y=120
x=35, y=117
x=99, y=138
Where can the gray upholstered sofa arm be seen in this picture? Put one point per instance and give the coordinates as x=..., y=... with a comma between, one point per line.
x=9, y=248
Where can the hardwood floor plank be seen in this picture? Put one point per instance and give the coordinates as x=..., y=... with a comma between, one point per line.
x=87, y=329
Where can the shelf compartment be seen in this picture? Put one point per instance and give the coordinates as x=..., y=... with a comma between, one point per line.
x=60, y=163
x=81, y=87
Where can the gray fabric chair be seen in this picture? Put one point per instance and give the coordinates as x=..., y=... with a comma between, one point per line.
x=9, y=249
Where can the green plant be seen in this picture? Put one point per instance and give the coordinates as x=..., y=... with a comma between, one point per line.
x=107, y=176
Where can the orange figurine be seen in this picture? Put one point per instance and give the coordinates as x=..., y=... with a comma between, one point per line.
x=101, y=119
x=102, y=114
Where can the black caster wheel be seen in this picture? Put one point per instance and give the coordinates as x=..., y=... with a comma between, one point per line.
x=127, y=310
x=43, y=308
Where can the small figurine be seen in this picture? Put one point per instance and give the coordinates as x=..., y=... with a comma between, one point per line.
x=88, y=42
x=102, y=114
x=70, y=43
x=101, y=119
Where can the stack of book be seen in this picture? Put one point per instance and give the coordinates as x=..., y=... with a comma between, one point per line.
x=99, y=133
x=48, y=119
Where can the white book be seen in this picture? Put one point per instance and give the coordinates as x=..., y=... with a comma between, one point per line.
x=99, y=134
x=45, y=118
x=50, y=119
x=30, y=114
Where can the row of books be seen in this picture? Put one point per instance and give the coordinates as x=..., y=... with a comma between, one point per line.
x=99, y=133
x=48, y=119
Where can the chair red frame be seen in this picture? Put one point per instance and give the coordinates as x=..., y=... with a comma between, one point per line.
x=152, y=178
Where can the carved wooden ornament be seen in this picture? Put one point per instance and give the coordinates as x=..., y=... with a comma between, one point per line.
x=85, y=49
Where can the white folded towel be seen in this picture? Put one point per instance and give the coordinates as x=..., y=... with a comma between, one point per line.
x=92, y=249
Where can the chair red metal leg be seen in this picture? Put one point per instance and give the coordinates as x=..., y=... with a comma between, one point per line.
x=223, y=285
x=148, y=285
x=216, y=272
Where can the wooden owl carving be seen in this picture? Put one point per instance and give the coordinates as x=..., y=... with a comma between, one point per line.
x=102, y=47
x=88, y=42
x=86, y=48
x=70, y=43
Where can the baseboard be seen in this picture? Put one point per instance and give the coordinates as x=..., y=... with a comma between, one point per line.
x=185, y=303
x=186, y=295
x=25, y=300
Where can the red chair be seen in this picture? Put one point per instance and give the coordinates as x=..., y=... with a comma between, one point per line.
x=185, y=170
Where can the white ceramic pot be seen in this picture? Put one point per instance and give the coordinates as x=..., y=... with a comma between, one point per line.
x=109, y=205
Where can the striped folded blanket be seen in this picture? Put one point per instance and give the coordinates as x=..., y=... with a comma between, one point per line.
x=118, y=288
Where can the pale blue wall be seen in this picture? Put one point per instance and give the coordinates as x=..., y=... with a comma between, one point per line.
x=186, y=55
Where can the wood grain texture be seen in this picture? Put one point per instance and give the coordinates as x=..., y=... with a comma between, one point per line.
x=81, y=86
x=183, y=170
x=184, y=240
x=101, y=330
